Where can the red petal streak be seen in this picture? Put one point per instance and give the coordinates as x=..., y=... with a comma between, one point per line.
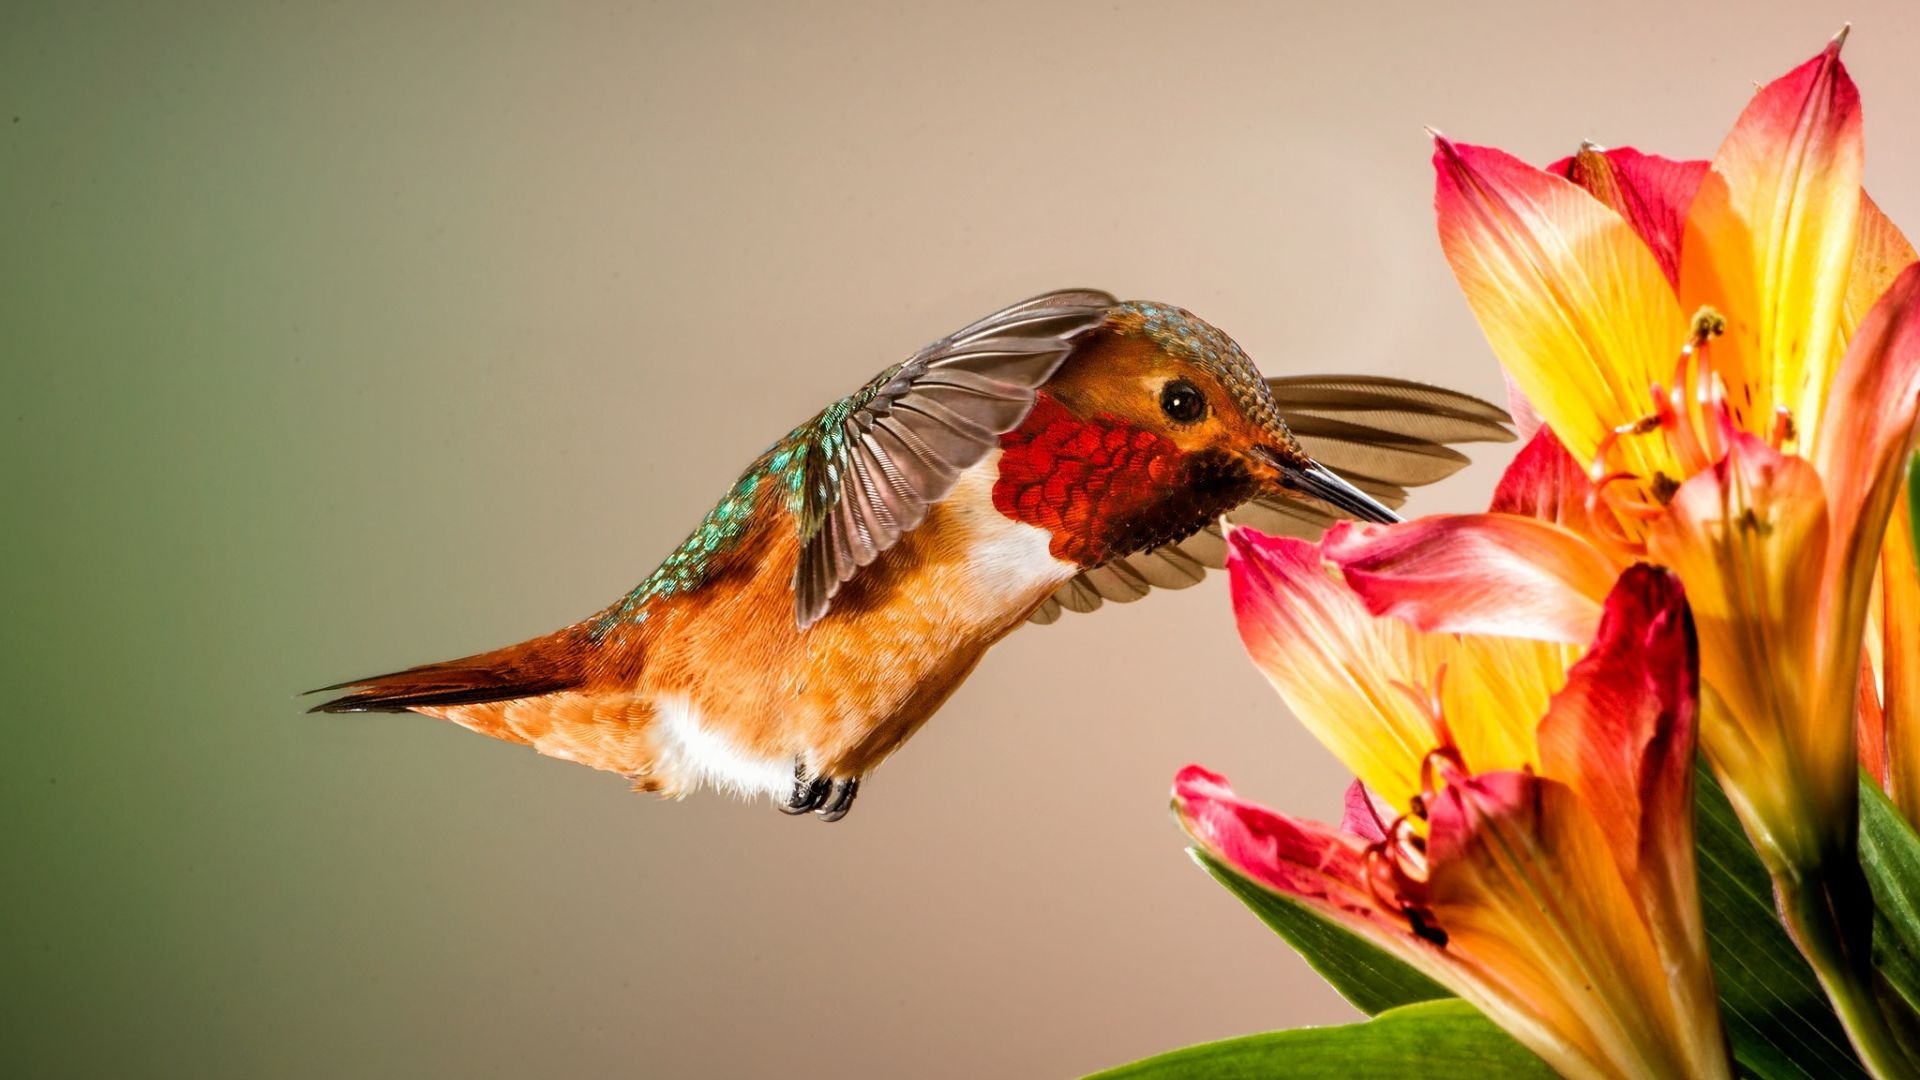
x=1621, y=735
x=1650, y=191
x=1544, y=482
x=1621, y=732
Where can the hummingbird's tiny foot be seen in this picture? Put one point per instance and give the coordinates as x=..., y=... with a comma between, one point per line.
x=841, y=800
x=809, y=792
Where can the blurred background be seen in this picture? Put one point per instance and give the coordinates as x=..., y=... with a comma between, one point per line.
x=339, y=337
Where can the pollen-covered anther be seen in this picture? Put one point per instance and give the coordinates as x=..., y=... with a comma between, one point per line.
x=1705, y=325
x=1784, y=429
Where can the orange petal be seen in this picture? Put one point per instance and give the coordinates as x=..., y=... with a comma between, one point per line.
x=1878, y=391
x=1493, y=574
x=1651, y=192
x=1572, y=301
x=1748, y=538
x=1899, y=696
x=1770, y=238
x=1533, y=907
x=1371, y=690
x=1880, y=252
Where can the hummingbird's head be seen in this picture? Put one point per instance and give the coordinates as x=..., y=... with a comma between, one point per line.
x=1155, y=426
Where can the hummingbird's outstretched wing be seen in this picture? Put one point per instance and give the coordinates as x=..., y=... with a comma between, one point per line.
x=1380, y=434
x=877, y=460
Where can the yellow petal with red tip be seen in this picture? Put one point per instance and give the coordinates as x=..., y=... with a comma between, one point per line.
x=1749, y=539
x=1573, y=302
x=1770, y=238
x=1368, y=688
x=1295, y=620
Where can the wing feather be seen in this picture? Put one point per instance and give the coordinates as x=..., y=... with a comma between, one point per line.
x=876, y=461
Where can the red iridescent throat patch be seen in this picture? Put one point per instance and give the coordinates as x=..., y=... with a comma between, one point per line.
x=1087, y=481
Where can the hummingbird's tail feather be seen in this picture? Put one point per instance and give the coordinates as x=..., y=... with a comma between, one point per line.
x=566, y=695
x=531, y=669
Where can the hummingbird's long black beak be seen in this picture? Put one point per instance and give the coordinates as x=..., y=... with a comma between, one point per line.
x=1316, y=480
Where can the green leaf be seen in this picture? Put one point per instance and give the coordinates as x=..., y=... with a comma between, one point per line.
x=1414, y=1042
x=1890, y=855
x=1372, y=979
x=1777, y=1017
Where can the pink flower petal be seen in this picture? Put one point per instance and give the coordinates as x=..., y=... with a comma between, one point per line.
x=1545, y=483
x=1320, y=866
x=1495, y=574
x=1364, y=817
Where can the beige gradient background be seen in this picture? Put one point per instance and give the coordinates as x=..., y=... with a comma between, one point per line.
x=340, y=337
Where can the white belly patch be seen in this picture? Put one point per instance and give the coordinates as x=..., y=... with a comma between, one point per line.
x=1009, y=558
x=691, y=754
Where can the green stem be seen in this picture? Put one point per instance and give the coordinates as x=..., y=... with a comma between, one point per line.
x=1829, y=912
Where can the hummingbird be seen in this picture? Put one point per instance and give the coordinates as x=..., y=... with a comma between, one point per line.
x=1067, y=450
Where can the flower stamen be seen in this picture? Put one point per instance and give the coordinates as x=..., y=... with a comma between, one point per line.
x=1396, y=876
x=1692, y=410
x=1784, y=429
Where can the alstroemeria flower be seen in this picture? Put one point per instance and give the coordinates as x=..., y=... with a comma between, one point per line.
x=1539, y=856
x=1703, y=337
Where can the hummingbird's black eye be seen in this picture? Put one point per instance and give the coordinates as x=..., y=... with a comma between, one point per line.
x=1182, y=402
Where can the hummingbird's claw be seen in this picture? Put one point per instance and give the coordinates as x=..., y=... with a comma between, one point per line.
x=829, y=797
x=809, y=792
x=841, y=799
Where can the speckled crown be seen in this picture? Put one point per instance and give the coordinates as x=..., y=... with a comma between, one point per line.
x=1183, y=334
